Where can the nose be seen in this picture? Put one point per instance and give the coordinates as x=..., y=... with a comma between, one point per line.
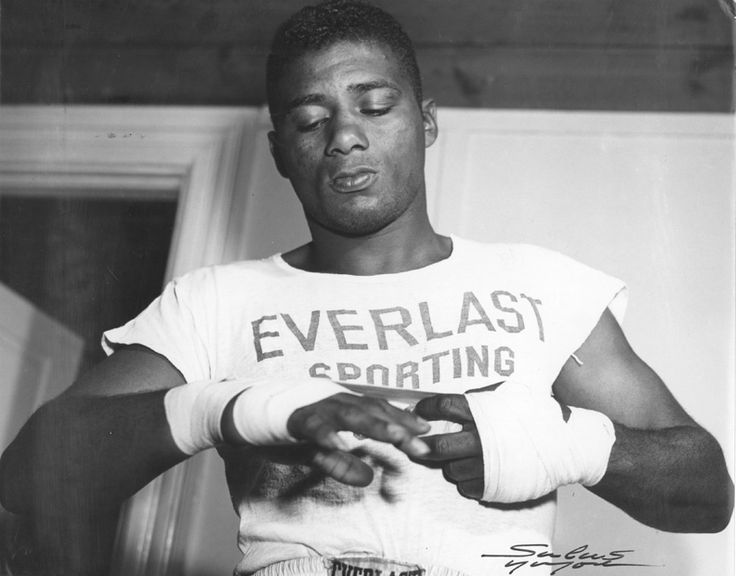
x=346, y=135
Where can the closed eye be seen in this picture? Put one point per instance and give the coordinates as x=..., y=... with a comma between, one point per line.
x=376, y=111
x=312, y=126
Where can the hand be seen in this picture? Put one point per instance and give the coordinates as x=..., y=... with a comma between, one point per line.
x=459, y=454
x=319, y=423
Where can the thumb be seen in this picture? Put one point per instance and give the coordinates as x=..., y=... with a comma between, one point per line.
x=450, y=407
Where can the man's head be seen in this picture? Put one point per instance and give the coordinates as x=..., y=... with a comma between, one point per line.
x=314, y=28
x=349, y=132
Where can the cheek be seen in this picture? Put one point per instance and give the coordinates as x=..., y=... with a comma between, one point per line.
x=303, y=161
x=412, y=140
x=409, y=157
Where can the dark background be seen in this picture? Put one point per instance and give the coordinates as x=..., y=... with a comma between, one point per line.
x=633, y=55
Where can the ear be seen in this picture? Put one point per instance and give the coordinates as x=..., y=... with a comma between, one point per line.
x=273, y=145
x=429, y=117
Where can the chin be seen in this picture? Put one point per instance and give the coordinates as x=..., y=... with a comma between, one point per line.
x=363, y=223
x=363, y=217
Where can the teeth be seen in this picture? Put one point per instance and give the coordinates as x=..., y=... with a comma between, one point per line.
x=349, y=182
x=353, y=180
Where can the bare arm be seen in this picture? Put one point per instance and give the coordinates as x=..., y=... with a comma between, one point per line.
x=79, y=456
x=665, y=470
x=98, y=442
x=107, y=436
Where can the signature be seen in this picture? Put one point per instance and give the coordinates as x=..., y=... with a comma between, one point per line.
x=534, y=555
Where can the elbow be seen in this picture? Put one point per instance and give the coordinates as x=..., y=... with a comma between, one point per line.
x=706, y=520
x=686, y=513
x=698, y=498
x=720, y=512
x=719, y=485
x=706, y=506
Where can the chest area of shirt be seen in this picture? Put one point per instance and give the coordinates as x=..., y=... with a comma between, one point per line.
x=407, y=340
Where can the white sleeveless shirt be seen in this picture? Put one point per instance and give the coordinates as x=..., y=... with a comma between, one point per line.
x=485, y=314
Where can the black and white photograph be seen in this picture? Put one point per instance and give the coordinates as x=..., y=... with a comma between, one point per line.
x=367, y=288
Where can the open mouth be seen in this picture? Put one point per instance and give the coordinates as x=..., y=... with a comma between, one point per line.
x=353, y=181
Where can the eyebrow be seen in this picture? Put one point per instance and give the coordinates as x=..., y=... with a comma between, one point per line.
x=358, y=88
x=305, y=100
x=363, y=87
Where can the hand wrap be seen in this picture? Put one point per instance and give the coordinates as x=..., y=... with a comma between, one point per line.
x=261, y=410
x=528, y=447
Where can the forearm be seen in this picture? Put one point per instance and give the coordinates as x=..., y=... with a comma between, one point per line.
x=673, y=479
x=86, y=454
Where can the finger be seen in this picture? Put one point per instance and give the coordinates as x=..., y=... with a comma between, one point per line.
x=472, y=489
x=385, y=411
x=413, y=447
x=409, y=419
x=320, y=425
x=452, y=407
x=362, y=419
x=444, y=447
x=343, y=467
x=464, y=469
x=368, y=426
x=313, y=427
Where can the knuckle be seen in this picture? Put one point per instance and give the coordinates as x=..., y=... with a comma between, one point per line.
x=381, y=403
x=381, y=407
x=330, y=466
x=340, y=399
x=311, y=422
x=318, y=459
x=351, y=412
x=338, y=468
x=445, y=404
x=442, y=446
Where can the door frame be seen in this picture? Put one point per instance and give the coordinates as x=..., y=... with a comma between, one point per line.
x=194, y=155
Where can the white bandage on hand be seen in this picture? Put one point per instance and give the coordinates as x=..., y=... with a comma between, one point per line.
x=529, y=449
x=261, y=410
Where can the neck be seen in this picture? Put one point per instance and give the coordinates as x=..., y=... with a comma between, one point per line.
x=396, y=248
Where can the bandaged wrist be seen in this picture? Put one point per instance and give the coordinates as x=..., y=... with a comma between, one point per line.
x=262, y=407
x=529, y=449
x=260, y=414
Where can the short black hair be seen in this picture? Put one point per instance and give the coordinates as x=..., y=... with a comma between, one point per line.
x=317, y=27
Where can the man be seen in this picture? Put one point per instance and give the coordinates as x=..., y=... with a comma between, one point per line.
x=475, y=339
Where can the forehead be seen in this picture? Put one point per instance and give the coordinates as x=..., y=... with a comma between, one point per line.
x=338, y=66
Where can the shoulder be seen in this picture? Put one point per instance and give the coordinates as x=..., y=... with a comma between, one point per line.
x=222, y=276
x=520, y=256
x=554, y=277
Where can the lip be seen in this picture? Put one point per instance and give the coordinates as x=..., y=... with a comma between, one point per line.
x=353, y=180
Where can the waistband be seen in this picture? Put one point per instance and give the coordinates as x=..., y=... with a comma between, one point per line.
x=352, y=566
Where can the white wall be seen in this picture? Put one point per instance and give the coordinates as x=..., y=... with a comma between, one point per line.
x=646, y=197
